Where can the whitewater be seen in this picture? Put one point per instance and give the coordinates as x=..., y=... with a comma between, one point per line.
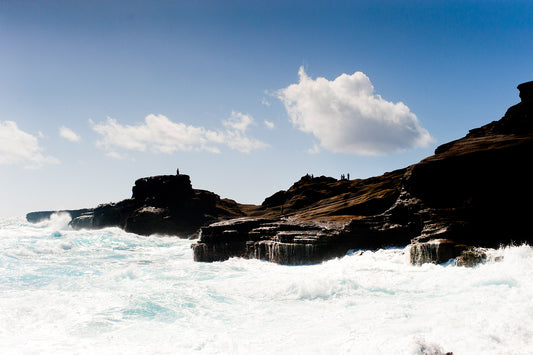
x=110, y=292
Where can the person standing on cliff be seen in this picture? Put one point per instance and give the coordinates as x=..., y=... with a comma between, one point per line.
x=178, y=171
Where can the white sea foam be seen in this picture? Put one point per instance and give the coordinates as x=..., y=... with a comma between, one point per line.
x=108, y=291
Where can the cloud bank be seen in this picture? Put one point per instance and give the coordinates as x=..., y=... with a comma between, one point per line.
x=159, y=134
x=19, y=147
x=69, y=134
x=347, y=117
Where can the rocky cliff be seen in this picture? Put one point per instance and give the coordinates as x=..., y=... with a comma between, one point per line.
x=164, y=204
x=473, y=193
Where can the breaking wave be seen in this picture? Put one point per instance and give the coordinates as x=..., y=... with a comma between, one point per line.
x=66, y=291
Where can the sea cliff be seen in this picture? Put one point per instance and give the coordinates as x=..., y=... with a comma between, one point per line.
x=473, y=193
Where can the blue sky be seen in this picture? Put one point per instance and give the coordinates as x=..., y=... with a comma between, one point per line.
x=244, y=96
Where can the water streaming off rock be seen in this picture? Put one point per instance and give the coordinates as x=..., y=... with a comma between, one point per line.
x=107, y=291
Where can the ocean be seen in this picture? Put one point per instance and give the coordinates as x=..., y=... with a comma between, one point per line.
x=110, y=292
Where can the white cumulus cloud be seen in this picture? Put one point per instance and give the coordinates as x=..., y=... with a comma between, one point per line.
x=159, y=134
x=19, y=147
x=347, y=117
x=238, y=121
x=69, y=134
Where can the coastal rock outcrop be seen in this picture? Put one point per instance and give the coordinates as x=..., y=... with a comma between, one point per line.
x=165, y=204
x=35, y=217
x=473, y=193
x=280, y=241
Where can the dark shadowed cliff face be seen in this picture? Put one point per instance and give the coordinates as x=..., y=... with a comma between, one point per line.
x=481, y=181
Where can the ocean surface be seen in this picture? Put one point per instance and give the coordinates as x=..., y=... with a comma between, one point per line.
x=110, y=292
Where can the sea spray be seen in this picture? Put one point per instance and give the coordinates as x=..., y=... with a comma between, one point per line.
x=114, y=292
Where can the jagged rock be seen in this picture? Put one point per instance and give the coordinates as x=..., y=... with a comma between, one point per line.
x=35, y=217
x=85, y=221
x=164, y=204
x=438, y=251
x=290, y=241
x=471, y=257
x=143, y=220
x=281, y=241
x=435, y=251
x=526, y=91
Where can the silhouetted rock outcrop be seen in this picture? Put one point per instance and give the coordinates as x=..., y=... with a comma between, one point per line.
x=164, y=204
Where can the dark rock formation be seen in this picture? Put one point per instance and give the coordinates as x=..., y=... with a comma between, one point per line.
x=474, y=191
x=526, y=91
x=323, y=218
x=438, y=251
x=471, y=257
x=159, y=205
x=279, y=241
x=435, y=251
x=35, y=217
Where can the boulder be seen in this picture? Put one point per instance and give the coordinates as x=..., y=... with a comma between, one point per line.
x=471, y=257
x=435, y=251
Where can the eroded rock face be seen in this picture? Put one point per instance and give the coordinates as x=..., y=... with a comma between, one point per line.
x=435, y=251
x=438, y=251
x=471, y=257
x=84, y=221
x=280, y=241
x=290, y=241
x=166, y=205
x=35, y=217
